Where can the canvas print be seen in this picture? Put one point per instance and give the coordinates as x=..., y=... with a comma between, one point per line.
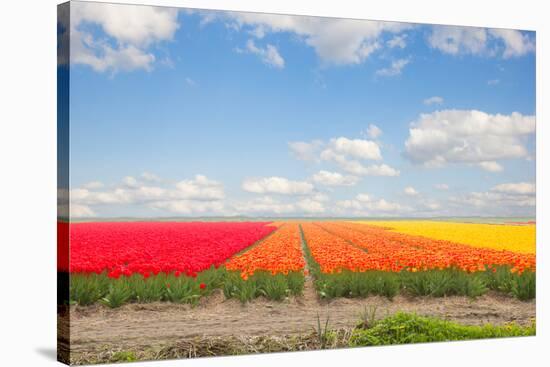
x=233, y=183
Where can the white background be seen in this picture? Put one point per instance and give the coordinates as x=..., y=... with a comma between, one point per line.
x=28, y=182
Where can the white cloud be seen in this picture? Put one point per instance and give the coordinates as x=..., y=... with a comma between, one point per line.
x=364, y=205
x=130, y=32
x=356, y=148
x=130, y=181
x=456, y=40
x=327, y=178
x=81, y=211
x=363, y=197
x=148, y=176
x=200, y=188
x=265, y=205
x=197, y=195
x=93, y=185
x=443, y=187
x=397, y=41
x=515, y=42
x=269, y=55
x=189, y=206
x=522, y=188
x=377, y=170
x=336, y=41
x=467, y=136
x=394, y=69
x=276, y=185
x=493, y=81
x=306, y=151
x=411, y=191
x=310, y=206
x=491, y=166
x=433, y=100
x=373, y=131
x=507, y=199
x=346, y=153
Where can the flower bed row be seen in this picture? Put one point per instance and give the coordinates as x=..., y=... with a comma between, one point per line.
x=361, y=275
x=125, y=248
x=391, y=251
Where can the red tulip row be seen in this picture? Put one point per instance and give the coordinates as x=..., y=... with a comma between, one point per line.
x=153, y=247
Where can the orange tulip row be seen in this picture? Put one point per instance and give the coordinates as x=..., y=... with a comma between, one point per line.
x=394, y=251
x=281, y=252
x=333, y=253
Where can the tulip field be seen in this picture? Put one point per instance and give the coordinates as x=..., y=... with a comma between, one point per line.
x=120, y=262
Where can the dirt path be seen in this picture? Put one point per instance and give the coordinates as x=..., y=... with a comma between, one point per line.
x=137, y=325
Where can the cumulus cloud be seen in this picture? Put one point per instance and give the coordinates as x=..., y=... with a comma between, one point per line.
x=199, y=188
x=356, y=148
x=394, y=69
x=276, y=185
x=442, y=186
x=347, y=154
x=93, y=185
x=411, y=191
x=457, y=40
x=365, y=205
x=490, y=166
x=506, y=199
x=373, y=131
x=81, y=211
x=397, y=41
x=189, y=206
x=264, y=205
x=515, y=43
x=310, y=206
x=151, y=177
x=269, y=54
x=327, y=178
x=335, y=41
x=356, y=168
x=433, y=100
x=521, y=188
x=129, y=33
x=197, y=195
x=468, y=136
x=306, y=151
x=267, y=205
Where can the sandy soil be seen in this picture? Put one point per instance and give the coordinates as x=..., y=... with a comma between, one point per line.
x=156, y=324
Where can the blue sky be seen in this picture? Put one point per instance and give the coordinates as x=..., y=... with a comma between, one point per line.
x=192, y=113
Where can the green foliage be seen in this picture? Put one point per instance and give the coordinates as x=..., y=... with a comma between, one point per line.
x=524, y=286
x=86, y=289
x=182, y=290
x=323, y=333
x=118, y=294
x=368, y=317
x=274, y=287
x=440, y=283
x=357, y=284
x=124, y=356
x=405, y=328
x=236, y=287
x=213, y=278
x=146, y=290
x=296, y=281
